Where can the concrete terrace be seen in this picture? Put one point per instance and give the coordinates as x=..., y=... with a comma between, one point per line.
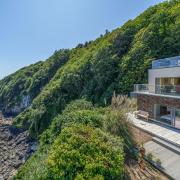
x=166, y=133
x=170, y=160
x=165, y=145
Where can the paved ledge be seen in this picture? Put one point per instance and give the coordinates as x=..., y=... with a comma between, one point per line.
x=168, y=134
x=166, y=145
x=170, y=160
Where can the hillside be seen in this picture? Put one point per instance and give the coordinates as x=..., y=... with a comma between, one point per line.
x=86, y=138
x=18, y=90
x=113, y=62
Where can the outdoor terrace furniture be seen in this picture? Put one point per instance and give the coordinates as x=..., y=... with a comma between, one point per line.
x=142, y=114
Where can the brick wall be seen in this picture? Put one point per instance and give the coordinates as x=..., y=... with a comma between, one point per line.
x=146, y=102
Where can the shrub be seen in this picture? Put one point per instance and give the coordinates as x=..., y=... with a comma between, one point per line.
x=122, y=102
x=80, y=104
x=116, y=123
x=150, y=156
x=158, y=162
x=82, y=152
x=34, y=168
x=79, y=111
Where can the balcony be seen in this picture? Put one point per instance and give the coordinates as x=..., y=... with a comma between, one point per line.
x=166, y=63
x=158, y=89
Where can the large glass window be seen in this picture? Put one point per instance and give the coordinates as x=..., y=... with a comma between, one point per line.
x=167, y=115
x=170, y=85
x=163, y=114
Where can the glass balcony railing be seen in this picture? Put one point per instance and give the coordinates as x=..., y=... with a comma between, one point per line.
x=168, y=89
x=146, y=88
x=166, y=63
x=158, y=89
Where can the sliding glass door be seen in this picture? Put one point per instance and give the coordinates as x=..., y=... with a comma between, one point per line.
x=167, y=115
x=168, y=86
x=164, y=114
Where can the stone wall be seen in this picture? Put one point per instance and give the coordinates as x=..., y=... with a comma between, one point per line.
x=146, y=102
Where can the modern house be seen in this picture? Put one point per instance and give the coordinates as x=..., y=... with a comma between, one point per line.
x=161, y=96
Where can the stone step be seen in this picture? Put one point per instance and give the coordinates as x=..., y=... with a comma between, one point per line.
x=173, y=147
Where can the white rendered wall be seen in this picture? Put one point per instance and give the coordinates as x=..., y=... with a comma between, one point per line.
x=158, y=73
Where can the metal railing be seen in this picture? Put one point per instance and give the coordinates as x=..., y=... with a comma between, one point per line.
x=158, y=89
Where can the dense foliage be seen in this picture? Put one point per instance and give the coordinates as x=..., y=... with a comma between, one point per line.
x=77, y=112
x=80, y=149
x=18, y=90
x=81, y=152
x=93, y=71
x=113, y=62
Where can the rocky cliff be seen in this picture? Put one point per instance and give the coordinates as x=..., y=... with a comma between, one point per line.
x=15, y=148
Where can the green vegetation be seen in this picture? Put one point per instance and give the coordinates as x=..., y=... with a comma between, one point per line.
x=28, y=82
x=91, y=72
x=77, y=112
x=150, y=156
x=78, y=145
x=113, y=62
x=81, y=152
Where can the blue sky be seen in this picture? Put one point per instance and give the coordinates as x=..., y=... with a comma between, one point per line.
x=31, y=30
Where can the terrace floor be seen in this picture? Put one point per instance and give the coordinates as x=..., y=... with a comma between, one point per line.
x=166, y=133
x=170, y=160
x=163, y=144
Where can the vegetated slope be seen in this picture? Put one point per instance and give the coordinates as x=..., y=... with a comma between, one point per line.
x=113, y=62
x=83, y=142
x=19, y=89
x=88, y=142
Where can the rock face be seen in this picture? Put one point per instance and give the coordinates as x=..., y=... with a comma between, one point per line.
x=13, y=110
x=15, y=148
